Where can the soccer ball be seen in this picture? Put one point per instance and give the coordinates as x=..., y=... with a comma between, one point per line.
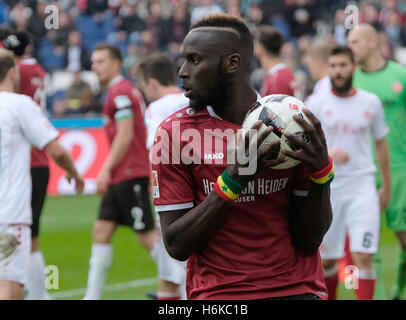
x=277, y=110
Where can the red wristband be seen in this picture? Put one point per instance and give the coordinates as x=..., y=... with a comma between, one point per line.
x=323, y=172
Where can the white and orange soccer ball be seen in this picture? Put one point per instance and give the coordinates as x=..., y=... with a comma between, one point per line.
x=277, y=110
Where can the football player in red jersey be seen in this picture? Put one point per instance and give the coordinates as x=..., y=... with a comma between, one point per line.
x=264, y=243
x=279, y=78
x=124, y=178
x=32, y=83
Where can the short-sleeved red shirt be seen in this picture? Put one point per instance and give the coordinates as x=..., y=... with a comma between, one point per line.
x=251, y=255
x=124, y=100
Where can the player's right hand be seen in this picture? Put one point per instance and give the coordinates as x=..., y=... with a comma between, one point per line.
x=339, y=155
x=265, y=156
x=79, y=182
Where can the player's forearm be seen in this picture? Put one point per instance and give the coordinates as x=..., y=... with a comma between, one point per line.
x=63, y=159
x=382, y=153
x=311, y=222
x=119, y=148
x=194, y=229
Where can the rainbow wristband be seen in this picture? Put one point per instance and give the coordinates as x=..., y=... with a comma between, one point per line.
x=233, y=185
x=224, y=190
x=324, y=176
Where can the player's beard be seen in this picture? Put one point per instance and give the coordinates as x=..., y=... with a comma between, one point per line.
x=219, y=90
x=343, y=89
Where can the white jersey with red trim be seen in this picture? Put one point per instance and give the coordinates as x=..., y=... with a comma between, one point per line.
x=22, y=124
x=349, y=124
x=160, y=109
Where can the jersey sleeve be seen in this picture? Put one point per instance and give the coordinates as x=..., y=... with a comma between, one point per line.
x=301, y=183
x=379, y=127
x=173, y=184
x=35, y=126
x=122, y=104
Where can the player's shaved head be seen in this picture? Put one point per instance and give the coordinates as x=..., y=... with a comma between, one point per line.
x=228, y=29
x=364, y=42
x=366, y=30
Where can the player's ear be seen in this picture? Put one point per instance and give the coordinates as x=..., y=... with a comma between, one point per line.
x=232, y=64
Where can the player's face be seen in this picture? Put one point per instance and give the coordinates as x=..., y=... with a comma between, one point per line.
x=202, y=74
x=148, y=89
x=359, y=45
x=102, y=65
x=340, y=70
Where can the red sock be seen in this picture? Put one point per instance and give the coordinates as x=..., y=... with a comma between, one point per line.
x=331, y=279
x=366, y=285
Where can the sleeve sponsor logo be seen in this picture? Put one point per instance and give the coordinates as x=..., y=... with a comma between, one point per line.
x=155, y=185
x=122, y=102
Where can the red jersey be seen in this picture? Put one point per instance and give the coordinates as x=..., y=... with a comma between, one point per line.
x=251, y=255
x=32, y=77
x=279, y=80
x=124, y=100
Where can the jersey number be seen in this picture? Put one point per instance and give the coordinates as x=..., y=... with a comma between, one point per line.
x=367, y=241
x=137, y=214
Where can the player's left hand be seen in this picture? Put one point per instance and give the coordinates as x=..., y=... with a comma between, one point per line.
x=103, y=181
x=79, y=182
x=384, y=197
x=314, y=153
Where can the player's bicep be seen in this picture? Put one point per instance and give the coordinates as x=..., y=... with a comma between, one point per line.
x=35, y=126
x=125, y=127
x=123, y=106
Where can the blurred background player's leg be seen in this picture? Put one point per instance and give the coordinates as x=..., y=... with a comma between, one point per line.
x=401, y=275
x=171, y=272
x=380, y=293
x=101, y=258
x=35, y=288
x=396, y=219
x=363, y=230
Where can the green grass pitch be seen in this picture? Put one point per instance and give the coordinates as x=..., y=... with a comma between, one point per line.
x=66, y=236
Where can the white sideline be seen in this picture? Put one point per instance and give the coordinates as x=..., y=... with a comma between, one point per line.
x=110, y=287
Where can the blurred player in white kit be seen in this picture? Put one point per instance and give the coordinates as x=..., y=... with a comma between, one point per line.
x=350, y=119
x=22, y=124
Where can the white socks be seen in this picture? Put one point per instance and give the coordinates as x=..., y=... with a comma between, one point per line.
x=36, y=278
x=100, y=263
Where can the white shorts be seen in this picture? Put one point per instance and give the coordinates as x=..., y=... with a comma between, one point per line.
x=356, y=212
x=169, y=269
x=15, y=266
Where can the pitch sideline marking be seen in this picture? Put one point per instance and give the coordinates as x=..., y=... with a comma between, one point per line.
x=110, y=287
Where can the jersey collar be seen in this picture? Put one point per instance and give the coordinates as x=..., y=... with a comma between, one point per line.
x=115, y=80
x=213, y=114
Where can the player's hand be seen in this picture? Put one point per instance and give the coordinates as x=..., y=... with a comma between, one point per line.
x=314, y=153
x=79, y=182
x=384, y=197
x=103, y=181
x=339, y=155
x=264, y=157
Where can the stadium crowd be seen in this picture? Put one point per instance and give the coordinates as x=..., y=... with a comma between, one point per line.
x=141, y=27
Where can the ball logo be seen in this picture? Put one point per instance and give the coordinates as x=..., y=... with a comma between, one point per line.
x=397, y=86
x=293, y=107
x=190, y=111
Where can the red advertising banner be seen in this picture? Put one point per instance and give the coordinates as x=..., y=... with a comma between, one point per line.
x=89, y=148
